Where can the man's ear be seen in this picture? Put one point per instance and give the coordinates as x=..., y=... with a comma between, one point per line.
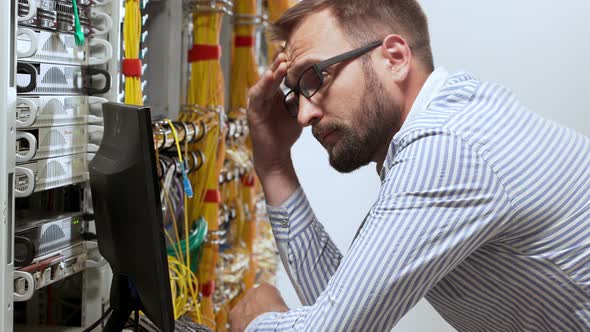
x=397, y=57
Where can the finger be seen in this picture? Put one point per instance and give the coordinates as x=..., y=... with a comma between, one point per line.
x=278, y=77
x=276, y=62
x=278, y=49
x=268, y=85
x=282, y=57
x=257, y=92
x=281, y=71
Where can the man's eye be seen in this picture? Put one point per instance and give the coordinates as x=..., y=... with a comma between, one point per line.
x=326, y=76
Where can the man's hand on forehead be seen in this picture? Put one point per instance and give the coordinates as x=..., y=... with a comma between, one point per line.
x=281, y=58
x=287, y=52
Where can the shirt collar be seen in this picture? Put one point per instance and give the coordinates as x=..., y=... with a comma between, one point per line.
x=429, y=90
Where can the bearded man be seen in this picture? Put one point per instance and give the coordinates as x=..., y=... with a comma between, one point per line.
x=484, y=207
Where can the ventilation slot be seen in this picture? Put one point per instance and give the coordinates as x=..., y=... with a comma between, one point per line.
x=54, y=76
x=54, y=139
x=54, y=107
x=55, y=45
x=52, y=170
x=52, y=239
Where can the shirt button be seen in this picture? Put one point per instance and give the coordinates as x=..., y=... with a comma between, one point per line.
x=285, y=223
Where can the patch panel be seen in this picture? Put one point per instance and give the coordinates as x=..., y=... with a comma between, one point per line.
x=51, y=173
x=52, y=79
x=47, y=111
x=40, y=233
x=53, y=267
x=58, y=15
x=54, y=47
x=50, y=142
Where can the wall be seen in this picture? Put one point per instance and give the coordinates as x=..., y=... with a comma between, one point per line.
x=540, y=49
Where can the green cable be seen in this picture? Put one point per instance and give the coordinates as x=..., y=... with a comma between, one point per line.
x=195, y=239
x=78, y=35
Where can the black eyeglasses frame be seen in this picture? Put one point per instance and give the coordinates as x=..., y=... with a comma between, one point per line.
x=319, y=68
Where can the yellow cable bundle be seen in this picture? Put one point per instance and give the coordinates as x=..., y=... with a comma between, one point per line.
x=205, y=204
x=248, y=198
x=205, y=91
x=244, y=76
x=208, y=146
x=206, y=82
x=244, y=72
x=222, y=318
x=131, y=64
x=183, y=294
x=211, y=212
x=210, y=209
x=276, y=8
x=236, y=259
x=250, y=231
x=184, y=283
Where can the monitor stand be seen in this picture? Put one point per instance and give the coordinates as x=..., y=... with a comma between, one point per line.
x=124, y=301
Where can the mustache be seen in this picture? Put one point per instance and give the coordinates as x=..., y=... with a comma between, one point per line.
x=320, y=131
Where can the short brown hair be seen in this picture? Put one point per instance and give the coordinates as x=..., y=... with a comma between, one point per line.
x=366, y=20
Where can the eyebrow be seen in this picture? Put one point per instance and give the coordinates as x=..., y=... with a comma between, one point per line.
x=296, y=71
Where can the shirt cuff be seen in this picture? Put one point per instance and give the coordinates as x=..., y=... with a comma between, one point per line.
x=291, y=217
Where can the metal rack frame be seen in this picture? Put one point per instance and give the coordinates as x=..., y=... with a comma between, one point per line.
x=7, y=159
x=96, y=278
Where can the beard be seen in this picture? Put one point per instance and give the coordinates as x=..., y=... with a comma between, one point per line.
x=373, y=124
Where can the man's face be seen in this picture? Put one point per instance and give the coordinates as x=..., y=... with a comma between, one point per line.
x=353, y=114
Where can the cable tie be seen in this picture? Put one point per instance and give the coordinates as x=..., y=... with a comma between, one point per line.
x=248, y=180
x=201, y=52
x=207, y=289
x=131, y=67
x=213, y=196
x=244, y=41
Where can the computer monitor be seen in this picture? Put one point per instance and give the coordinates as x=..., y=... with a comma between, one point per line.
x=128, y=214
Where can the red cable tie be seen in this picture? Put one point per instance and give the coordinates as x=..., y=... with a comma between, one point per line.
x=207, y=289
x=202, y=52
x=248, y=180
x=244, y=41
x=213, y=196
x=131, y=67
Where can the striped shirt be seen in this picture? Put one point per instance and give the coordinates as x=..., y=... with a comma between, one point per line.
x=484, y=210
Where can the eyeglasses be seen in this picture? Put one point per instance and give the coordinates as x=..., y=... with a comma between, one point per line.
x=312, y=79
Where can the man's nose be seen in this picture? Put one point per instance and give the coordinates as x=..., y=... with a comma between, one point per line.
x=309, y=112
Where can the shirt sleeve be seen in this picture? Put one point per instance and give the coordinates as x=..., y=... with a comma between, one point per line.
x=439, y=202
x=306, y=250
